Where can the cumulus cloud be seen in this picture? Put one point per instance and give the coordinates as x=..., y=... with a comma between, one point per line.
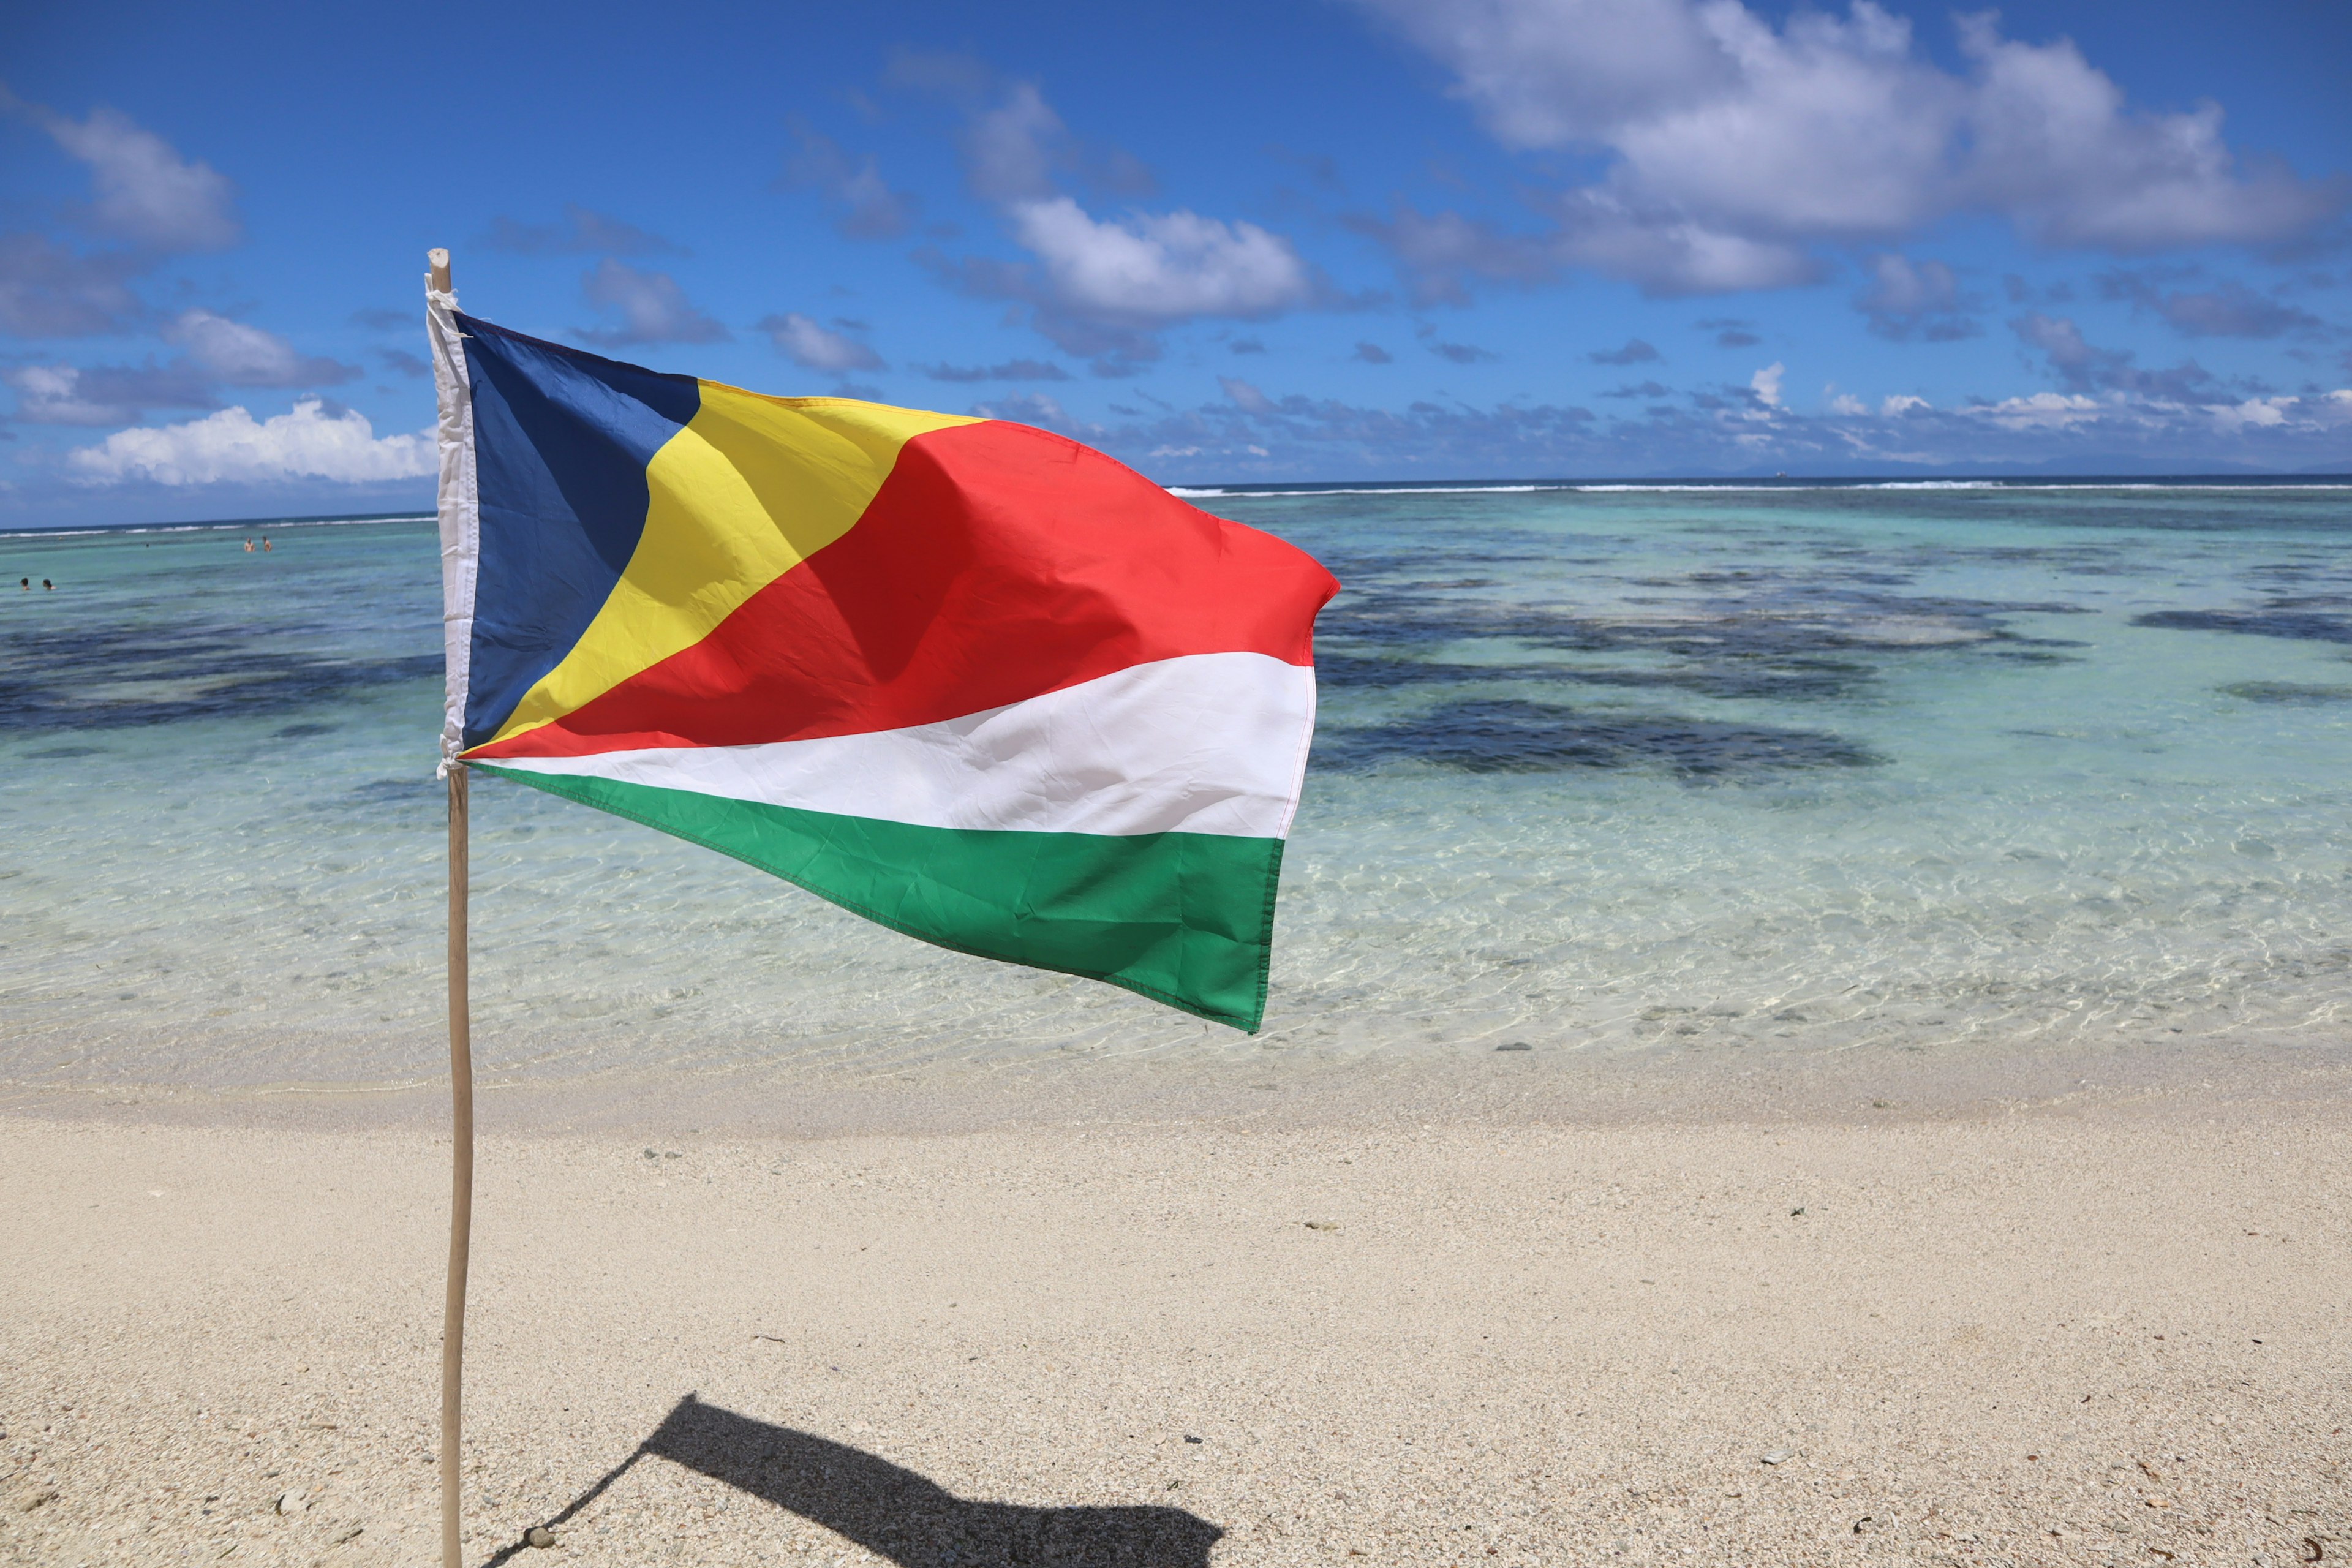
x=231, y=447
x=652, y=307
x=814, y=347
x=2054, y=146
x=240, y=354
x=103, y=394
x=2255, y=413
x=142, y=190
x=2224, y=309
x=217, y=351
x=1766, y=383
x=1909, y=299
x=1734, y=146
x=1636, y=351
x=53, y=394
x=1104, y=287
x=1157, y=267
x=865, y=206
x=582, y=232
x=1010, y=370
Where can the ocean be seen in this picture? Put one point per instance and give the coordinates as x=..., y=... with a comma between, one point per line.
x=1715, y=771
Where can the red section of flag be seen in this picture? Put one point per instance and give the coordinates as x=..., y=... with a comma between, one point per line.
x=997, y=562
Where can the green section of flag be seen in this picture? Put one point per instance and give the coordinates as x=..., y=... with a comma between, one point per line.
x=1186, y=918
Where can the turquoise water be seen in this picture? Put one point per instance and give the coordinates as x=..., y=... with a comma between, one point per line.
x=1798, y=770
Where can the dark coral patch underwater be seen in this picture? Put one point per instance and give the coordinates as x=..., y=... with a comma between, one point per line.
x=124, y=676
x=1501, y=735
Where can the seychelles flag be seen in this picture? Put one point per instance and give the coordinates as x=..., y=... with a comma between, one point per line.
x=967, y=678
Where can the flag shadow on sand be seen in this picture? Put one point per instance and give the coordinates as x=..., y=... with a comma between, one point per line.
x=896, y=1513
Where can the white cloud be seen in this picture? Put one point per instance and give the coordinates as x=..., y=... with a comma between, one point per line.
x=2053, y=145
x=1103, y=286
x=1766, y=383
x=2042, y=410
x=104, y=395
x=242, y=355
x=804, y=342
x=145, y=192
x=1901, y=403
x=2254, y=412
x=652, y=307
x=1159, y=267
x=52, y=394
x=1846, y=404
x=232, y=447
x=1736, y=145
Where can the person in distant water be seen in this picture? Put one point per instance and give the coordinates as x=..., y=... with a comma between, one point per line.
x=265, y=542
x=49, y=586
x=248, y=547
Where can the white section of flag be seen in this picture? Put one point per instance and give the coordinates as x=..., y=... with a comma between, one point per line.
x=1213, y=742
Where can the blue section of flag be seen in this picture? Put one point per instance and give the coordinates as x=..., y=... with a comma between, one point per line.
x=561, y=439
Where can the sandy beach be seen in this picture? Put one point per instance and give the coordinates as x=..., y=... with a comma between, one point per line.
x=2104, y=1327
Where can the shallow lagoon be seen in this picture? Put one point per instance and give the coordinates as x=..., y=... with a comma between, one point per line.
x=1714, y=772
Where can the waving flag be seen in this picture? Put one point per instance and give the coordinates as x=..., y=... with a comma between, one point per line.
x=967, y=678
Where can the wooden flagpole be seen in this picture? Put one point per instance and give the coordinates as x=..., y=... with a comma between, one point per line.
x=461, y=1137
x=461, y=1175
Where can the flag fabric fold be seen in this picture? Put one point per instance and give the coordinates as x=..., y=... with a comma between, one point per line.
x=970, y=679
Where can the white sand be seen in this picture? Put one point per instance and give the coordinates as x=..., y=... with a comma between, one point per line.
x=2112, y=1333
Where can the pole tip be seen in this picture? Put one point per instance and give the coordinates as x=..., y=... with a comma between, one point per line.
x=439, y=261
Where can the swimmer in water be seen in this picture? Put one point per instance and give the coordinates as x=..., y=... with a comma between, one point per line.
x=49, y=586
x=248, y=547
x=265, y=542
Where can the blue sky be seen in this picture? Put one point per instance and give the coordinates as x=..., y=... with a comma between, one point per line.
x=1360, y=239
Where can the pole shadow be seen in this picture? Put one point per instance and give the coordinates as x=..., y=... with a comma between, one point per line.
x=893, y=1512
